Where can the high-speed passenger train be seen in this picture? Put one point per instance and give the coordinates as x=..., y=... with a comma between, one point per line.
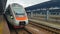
x=16, y=15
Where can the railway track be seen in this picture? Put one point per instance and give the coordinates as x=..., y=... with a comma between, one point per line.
x=36, y=30
x=20, y=31
x=50, y=29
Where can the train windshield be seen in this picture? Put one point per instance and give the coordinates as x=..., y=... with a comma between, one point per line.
x=18, y=10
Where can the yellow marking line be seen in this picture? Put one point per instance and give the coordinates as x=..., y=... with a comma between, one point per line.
x=1, y=28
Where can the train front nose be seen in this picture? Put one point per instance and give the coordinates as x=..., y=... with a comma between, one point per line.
x=21, y=21
x=22, y=24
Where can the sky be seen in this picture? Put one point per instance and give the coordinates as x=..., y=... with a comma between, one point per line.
x=26, y=3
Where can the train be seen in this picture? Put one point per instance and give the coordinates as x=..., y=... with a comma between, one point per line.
x=16, y=15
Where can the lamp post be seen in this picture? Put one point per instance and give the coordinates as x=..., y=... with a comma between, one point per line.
x=47, y=14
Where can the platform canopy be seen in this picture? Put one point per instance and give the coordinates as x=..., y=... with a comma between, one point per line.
x=47, y=4
x=2, y=6
x=56, y=0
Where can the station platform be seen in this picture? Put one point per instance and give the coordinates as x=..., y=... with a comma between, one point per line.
x=3, y=26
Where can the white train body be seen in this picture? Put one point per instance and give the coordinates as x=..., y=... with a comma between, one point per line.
x=16, y=15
